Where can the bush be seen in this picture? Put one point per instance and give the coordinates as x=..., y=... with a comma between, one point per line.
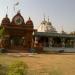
x=2, y=50
x=18, y=68
x=32, y=50
x=3, y=69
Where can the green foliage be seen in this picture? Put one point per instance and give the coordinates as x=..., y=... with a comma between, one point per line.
x=55, y=72
x=18, y=68
x=2, y=50
x=3, y=69
x=2, y=33
x=72, y=33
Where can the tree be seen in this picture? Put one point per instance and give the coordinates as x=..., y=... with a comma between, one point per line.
x=72, y=33
x=2, y=32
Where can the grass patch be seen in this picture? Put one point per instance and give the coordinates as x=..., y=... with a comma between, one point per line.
x=17, y=68
x=40, y=64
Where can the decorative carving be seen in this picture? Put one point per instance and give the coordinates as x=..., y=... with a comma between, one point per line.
x=18, y=20
x=20, y=34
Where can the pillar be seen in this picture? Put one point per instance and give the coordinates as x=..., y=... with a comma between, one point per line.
x=50, y=42
x=74, y=43
x=36, y=42
x=44, y=42
x=63, y=42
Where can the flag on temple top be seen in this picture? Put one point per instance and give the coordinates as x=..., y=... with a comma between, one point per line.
x=16, y=3
x=7, y=9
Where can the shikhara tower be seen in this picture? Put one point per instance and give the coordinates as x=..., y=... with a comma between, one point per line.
x=46, y=26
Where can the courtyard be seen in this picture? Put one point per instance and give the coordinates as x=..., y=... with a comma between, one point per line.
x=42, y=64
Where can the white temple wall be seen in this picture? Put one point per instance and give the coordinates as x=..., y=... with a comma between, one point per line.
x=47, y=49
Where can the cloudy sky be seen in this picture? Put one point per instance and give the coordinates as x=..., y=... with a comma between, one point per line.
x=60, y=12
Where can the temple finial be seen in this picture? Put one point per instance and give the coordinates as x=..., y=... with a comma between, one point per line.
x=6, y=15
x=44, y=17
x=62, y=28
x=18, y=11
x=29, y=18
x=7, y=12
x=48, y=18
x=7, y=9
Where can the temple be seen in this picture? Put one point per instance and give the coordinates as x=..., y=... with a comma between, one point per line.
x=50, y=39
x=18, y=35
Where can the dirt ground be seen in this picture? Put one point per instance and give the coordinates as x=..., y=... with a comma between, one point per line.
x=64, y=63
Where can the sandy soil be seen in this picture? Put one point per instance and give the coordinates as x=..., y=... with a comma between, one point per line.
x=64, y=63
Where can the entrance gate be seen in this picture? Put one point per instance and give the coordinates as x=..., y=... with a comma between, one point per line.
x=19, y=33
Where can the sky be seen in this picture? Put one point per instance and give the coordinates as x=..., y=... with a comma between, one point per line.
x=60, y=12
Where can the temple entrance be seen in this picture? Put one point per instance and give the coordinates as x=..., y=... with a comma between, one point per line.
x=17, y=42
x=18, y=34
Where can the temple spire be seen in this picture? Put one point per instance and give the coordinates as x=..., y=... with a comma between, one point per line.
x=63, y=32
x=18, y=11
x=29, y=18
x=7, y=10
x=62, y=28
x=6, y=15
x=48, y=18
x=44, y=17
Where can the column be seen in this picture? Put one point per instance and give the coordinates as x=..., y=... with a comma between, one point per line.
x=23, y=41
x=74, y=43
x=71, y=43
x=50, y=42
x=36, y=42
x=44, y=42
x=63, y=42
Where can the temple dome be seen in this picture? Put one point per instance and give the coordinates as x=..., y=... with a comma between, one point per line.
x=29, y=22
x=18, y=16
x=46, y=26
x=5, y=20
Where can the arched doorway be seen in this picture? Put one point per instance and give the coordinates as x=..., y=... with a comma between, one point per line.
x=17, y=42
